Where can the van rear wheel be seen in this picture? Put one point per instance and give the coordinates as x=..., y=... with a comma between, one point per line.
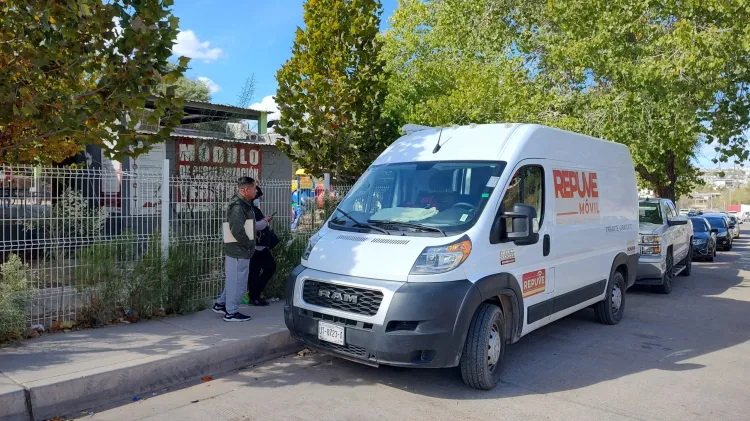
x=610, y=310
x=484, y=350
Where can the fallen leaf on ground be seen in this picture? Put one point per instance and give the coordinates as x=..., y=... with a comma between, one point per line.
x=305, y=352
x=207, y=378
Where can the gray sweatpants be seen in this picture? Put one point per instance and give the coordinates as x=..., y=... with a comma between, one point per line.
x=235, y=283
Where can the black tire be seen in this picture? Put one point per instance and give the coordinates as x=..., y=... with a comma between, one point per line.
x=688, y=261
x=487, y=329
x=667, y=278
x=608, y=311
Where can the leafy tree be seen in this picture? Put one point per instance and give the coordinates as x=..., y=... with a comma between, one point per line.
x=451, y=62
x=79, y=72
x=662, y=77
x=185, y=87
x=331, y=91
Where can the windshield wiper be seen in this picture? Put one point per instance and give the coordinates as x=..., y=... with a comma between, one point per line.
x=362, y=224
x=410, y=225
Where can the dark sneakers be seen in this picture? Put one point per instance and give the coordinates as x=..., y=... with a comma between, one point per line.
x=237, y=317
x=219, y=309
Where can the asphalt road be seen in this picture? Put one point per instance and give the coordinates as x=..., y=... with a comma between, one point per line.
x=683, y=356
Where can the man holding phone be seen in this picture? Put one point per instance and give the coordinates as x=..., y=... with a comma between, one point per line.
x=262, y=264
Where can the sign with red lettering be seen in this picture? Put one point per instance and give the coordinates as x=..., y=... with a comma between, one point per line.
x=576, y=196
x=534, y=282
x=203, y=160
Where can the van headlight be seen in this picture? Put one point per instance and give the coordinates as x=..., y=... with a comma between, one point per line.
x=310, y=246
x=442, y=259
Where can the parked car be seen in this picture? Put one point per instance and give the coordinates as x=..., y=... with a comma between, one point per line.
x=457, y=242
x=734, y=225
x=720, y=223
x=666, y=241
x=704, y=239
x=684, y=212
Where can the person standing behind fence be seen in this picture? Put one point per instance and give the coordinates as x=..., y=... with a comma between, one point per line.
x=262, y=265
x=239, y=247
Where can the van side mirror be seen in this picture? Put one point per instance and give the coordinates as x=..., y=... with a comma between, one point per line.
x=677, y=221
x=524, y=224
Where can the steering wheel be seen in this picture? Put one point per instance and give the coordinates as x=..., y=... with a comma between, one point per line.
x=464, y=205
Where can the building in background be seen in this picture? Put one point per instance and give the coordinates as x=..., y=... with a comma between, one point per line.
x=213, y=140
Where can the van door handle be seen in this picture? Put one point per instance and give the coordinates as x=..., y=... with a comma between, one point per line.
x=546, y=245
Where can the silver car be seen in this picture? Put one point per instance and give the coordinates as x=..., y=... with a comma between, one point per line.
x=666, y=241
x=734, y=226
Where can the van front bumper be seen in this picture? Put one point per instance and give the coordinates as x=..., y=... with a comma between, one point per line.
x=425, y=326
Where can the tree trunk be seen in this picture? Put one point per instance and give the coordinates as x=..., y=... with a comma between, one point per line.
x=662, y=190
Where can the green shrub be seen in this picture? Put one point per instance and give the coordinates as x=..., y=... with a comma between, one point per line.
x=14, y=297
x=124, y=282
x=288, y=255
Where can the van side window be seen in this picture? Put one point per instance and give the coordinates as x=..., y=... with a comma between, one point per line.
x=527, y=187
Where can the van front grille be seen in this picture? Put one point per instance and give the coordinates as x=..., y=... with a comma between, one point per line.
x=339, y=297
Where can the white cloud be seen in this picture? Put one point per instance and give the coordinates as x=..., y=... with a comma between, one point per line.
x=189, y=45
x=268, y=103
x=213, y=87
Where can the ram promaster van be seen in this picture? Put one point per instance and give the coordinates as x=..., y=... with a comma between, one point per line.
x=458, y=241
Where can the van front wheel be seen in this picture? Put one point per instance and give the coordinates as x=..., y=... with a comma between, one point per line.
x=610, y=310
x=484, y=350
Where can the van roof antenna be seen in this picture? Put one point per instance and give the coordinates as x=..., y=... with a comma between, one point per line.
x=437, y=147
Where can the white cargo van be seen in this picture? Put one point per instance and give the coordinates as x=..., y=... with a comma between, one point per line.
x=458, y=241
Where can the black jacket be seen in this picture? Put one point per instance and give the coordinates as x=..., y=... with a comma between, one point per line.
x=238, y=212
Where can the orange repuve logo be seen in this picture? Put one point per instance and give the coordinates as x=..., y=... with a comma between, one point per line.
x=534, y=282
x=576, y=195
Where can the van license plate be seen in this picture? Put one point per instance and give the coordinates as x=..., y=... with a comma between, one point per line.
x=331, y=333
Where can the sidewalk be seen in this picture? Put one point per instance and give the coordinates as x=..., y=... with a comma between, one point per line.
x=64, y=374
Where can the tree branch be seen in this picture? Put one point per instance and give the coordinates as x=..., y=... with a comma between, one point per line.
x=646, y=174
x=31, y=140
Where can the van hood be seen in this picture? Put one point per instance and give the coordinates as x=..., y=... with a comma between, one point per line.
x=647, y=228
x=366, y=255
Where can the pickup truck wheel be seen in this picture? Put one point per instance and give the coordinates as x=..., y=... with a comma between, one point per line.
x=610, y=310
x=688, y=262
x=482, y=358
x=666, y=286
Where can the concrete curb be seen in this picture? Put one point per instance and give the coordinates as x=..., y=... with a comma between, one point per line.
x=12, y=402
x=55, y=397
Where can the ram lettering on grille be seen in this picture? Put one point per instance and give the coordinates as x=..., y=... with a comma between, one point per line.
x=337, y=296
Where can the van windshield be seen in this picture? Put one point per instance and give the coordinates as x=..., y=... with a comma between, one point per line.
x=433, y=198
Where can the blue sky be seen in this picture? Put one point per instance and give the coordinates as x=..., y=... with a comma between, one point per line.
x=231, y=39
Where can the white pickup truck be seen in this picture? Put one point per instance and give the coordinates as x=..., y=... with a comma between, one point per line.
x=666, y=241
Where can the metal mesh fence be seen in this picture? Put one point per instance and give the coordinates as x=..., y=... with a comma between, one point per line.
x=88, y=244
